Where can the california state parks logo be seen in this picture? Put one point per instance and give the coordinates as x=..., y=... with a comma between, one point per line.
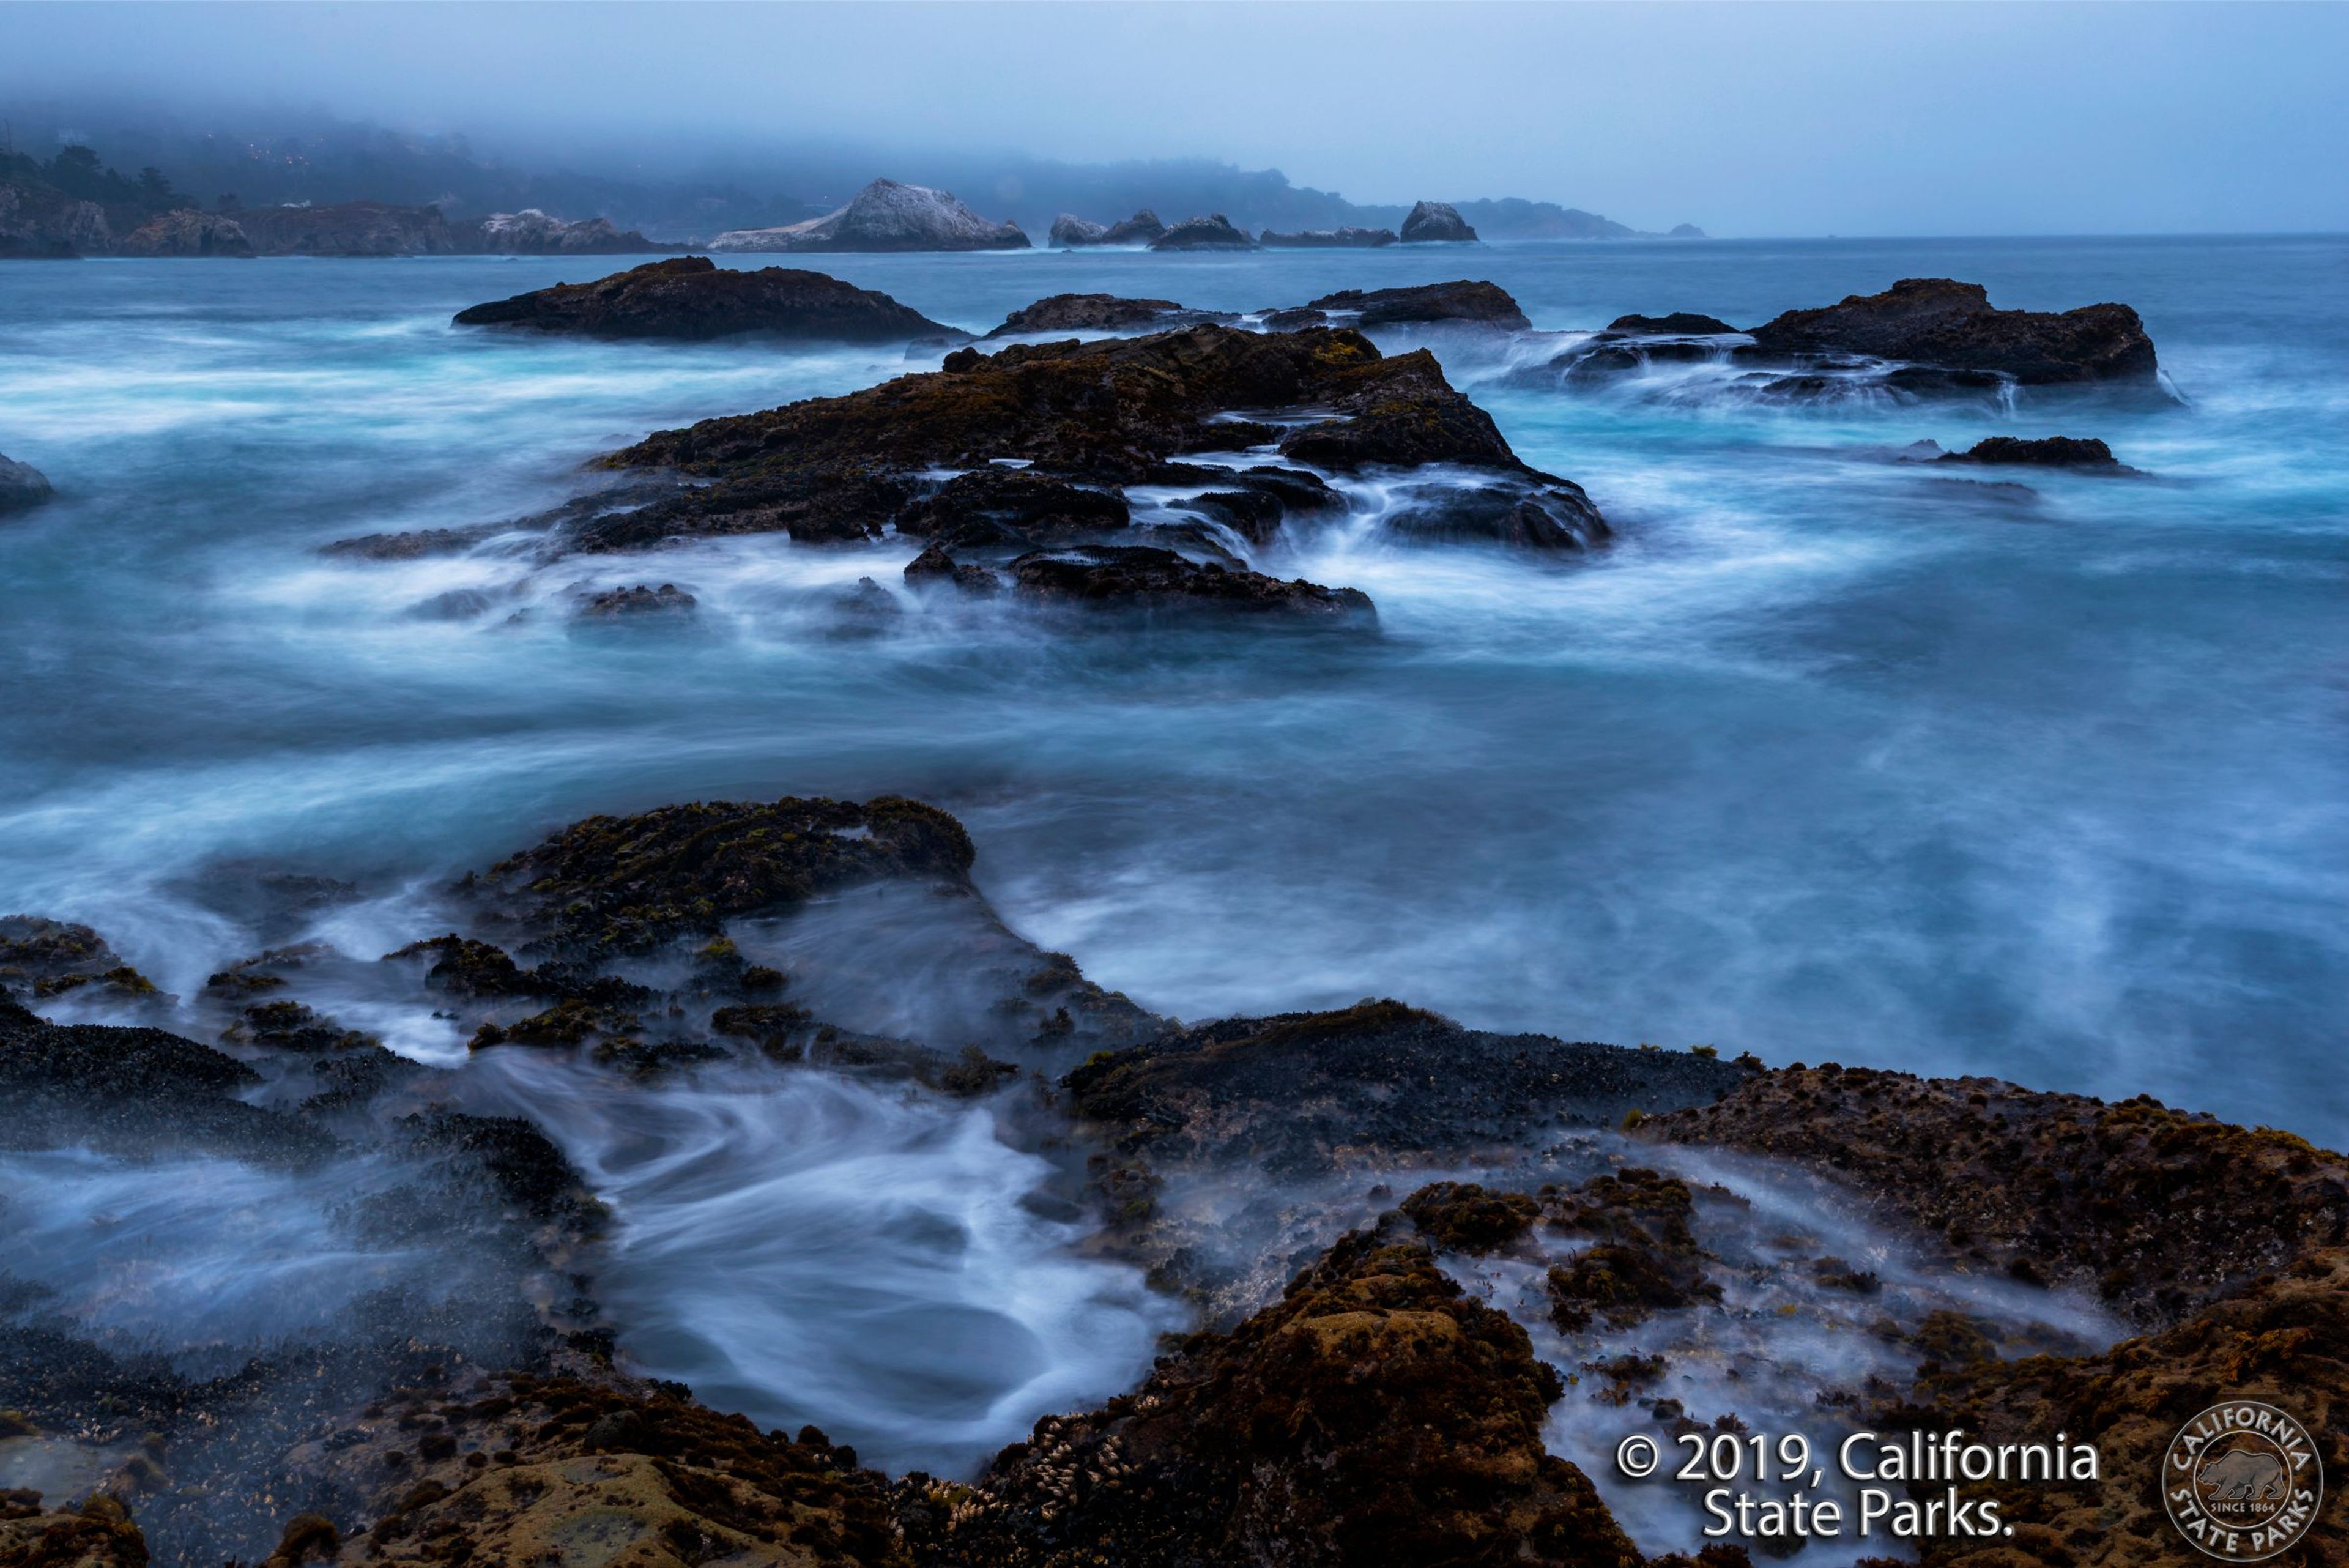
x=2242, y=1482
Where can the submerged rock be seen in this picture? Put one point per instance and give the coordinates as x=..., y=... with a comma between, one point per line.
x=1952, y=326
x=1436, y=222
x=640, y=600
x=22, y=486
x=1145, y=578
x=1348, y=238
x=1071, y=231
x=2088, y=455
x=694, y=298
x=885, y=216
x=1213, y=233
x=188, y=232
x=1103, y=313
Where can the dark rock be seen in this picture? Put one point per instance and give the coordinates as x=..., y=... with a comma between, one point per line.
x=1463, y=1217
x=622, y=1460
x=1482, y=304
x=1679, y=324
x=2082, y=1192
x=1348, y=238
x=1071, y=231
x=188, y=232
x=98, y=1533
x=1686, y=232
x=1103, y=313
x=1138, y=230
x=1646, y=1258
x=1436, y=222
x=640, y=600
x=41, y=958
x=1213, y=233
x=512, y=1156
x=1551, y=516
x=1142, y=577
x=1112, y=411
x=614, y=885
x=885, y=216
x=409, y=546
x=1375, y=1084
x=934, y=566
x=1953, y=325
x=292, y=1026
x=2047, y=451
x=692, y=298
x=996, y=505
x=1376, y=1414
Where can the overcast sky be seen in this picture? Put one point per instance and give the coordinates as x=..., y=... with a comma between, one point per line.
x=1747, y=118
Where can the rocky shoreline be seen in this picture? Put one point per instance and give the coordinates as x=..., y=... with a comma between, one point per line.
x=1351, y=1391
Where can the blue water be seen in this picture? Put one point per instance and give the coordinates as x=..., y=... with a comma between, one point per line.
x=1832, y=757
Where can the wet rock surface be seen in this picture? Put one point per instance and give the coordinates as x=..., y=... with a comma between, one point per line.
x=1147, y=578
x=1083, y=417
x=2047, y=1188
x=1375, y=1084
x=691, y=298
x=1374, y=1413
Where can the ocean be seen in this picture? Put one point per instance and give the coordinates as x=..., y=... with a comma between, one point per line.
x=1831, y=756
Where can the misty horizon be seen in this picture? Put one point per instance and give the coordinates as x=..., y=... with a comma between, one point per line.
x=1761, y=120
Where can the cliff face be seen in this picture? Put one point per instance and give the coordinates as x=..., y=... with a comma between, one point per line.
x=38, y=221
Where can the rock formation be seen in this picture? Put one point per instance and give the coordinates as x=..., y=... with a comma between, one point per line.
x=1436, y=222
x=188, y=232
x=1098, y=415
x=532, y=232
x=1348, y=238
x=1103, y=313
x=1069, y=231
x=39, y=222
x=348, y=228
x=2086, y=454
x=21, y=486
x=1934, y=321
x=1213, y=233
x=694, y=298
x=885, y=216
x=1477, y=303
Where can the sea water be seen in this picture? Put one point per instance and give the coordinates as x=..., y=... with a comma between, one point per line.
x=1832, y=755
